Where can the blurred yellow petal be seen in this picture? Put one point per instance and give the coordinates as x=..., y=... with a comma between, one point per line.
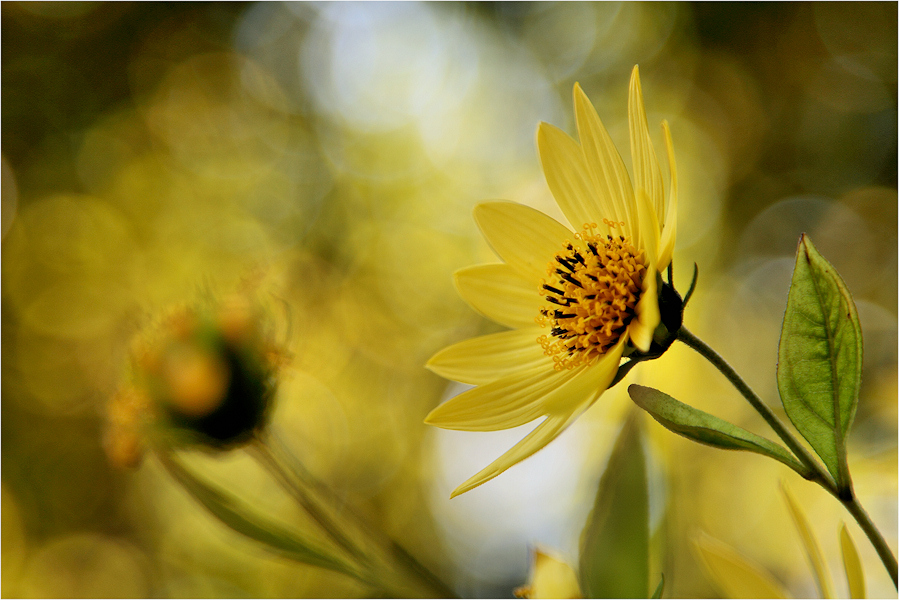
x=810, y=543
x=525, y=238
x=490, y=357
x=735, y=575
x=610, y=178
x=500, y=293
x=569, y=179
x=854, y=573
x=647, y=176
x=508, y=402
x=550, y=578
x=648, y=317
x=669, y=228
x=546, y=432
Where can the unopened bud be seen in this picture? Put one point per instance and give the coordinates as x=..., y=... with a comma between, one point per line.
x=208, y=372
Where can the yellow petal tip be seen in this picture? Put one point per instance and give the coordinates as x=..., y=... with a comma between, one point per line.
x=465, y=487
x=542, y=128
x=429, y=420
x=580, y=97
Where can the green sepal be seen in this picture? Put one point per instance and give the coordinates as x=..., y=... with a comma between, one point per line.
x=659, y=588
x=614, y=557
x=707, y=429
x=820, y=359
x=232, y=513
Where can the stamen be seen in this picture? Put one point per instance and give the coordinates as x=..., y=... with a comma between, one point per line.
x=599, y=290
x=552, y=289
x=565, y=263
x=571, y=280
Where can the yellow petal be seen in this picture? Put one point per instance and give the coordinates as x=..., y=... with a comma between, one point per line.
x=508, y=402
x=810, y=543
x=734, y=574
x=546, y=432
x=488, y=358
x=552, y=578
x=525, y=238
x=647, y=176
x=610, y=178
x=648, y=229
x=854, y=574
x=647, y=318
x=500, y=293
x=589, y=384
x=669, y=229
x=569, y=180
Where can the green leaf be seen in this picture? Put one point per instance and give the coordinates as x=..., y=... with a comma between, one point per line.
x=736, y=575
x=708, y=429
x=659, y=588
x=810, y=543
x=229, y=511
x=820, y=358
x=614, y=559
x=854, y=574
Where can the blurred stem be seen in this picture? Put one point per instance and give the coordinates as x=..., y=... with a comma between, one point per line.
x=261, y=451
x=817, y=472
x=316, y=499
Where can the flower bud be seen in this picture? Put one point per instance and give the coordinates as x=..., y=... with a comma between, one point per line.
x=205, y=373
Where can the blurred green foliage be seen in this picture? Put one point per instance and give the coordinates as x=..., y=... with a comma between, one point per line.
x=331, y=154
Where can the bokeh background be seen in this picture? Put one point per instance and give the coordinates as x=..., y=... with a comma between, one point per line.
x=331, y=154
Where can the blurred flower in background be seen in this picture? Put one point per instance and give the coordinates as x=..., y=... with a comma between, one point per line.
x=549, y=578
x=202, y=375
x=154, y=151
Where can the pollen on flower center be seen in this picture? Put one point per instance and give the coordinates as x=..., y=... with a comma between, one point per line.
x=594, y=285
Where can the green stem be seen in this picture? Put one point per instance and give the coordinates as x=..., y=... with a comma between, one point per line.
x=303, y=486
x=883, y=550
x=817, y=473
x=264, y=455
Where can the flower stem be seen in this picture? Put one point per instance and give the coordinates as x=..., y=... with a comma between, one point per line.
x=883, y=550
x=687, y=337
x=316, y=499
x=269, y=460
x=817, y=473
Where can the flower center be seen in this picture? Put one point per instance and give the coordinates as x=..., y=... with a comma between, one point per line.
x=594, y=285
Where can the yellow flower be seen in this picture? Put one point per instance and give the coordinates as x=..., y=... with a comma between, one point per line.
x=549, y=578
x=577, y=300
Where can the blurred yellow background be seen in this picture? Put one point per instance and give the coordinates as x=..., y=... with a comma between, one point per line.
x=331, y=154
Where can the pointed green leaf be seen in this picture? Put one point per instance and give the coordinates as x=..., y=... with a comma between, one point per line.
x=704, y=428
x=736, y=575
x=820, y=358
x=854, y=574
x=614, y=560
x=232, y=513
x=810, y=543
x=659, y=588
